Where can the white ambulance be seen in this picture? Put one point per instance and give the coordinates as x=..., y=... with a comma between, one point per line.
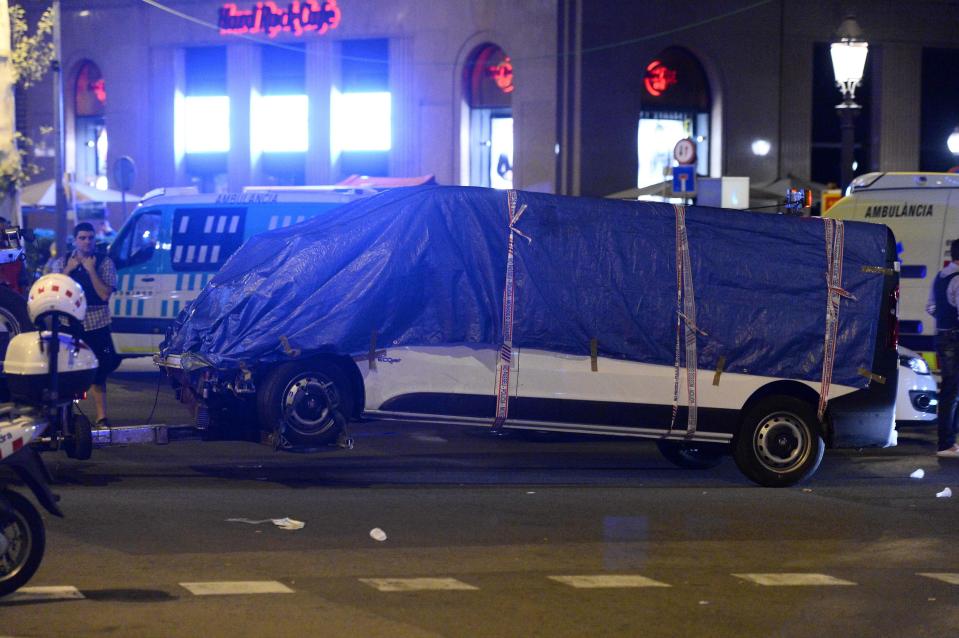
x=177, y=239
x=922, y=209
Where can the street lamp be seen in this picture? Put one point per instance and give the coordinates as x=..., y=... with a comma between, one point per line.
x=953, y=141
x=848, y=61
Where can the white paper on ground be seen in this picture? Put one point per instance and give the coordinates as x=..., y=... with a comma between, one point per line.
x=288, y=523
x=377, y=534
x=918, y=474
x=945, y=493
x=282, y=523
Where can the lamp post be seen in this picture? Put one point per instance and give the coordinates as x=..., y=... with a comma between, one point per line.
x=58, y=163
x=848, y=54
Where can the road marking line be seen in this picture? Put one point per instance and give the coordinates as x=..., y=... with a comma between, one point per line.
x=793, y=579
x=417, y=584
x=608, y=581
x=952, y=579
x=234, y=587
x=26, y=594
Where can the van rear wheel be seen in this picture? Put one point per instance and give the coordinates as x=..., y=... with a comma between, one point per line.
x=307, y=402
x=779, y=442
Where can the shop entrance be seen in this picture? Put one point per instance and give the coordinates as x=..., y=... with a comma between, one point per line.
x=488, y=85
x=90, y=98
x=675, y=105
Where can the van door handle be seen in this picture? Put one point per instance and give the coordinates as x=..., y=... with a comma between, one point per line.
x=147, y=279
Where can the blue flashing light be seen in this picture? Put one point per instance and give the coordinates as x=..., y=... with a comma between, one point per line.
x=910, y=326
x=912, y=271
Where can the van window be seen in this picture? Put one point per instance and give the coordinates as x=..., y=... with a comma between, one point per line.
x=204, y=238
x=138, y=239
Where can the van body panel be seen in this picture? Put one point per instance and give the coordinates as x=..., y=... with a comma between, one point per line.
x=627, y=397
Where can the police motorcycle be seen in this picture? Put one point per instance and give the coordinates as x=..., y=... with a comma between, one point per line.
x=44, y=371
x=54, y=368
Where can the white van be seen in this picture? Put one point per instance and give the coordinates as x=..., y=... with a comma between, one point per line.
x=177, y=239
x=922, y=209
x=417, y=305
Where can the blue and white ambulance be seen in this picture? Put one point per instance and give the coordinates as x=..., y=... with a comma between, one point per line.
x=177, y=239
x=921, y=209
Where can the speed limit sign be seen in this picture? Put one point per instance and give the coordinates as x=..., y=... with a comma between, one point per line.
x=685, y=151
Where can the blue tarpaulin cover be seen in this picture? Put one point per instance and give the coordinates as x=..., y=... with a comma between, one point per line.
x=427, y=266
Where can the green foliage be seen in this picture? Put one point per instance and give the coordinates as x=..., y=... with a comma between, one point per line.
x=32, y=55
x=18, y=169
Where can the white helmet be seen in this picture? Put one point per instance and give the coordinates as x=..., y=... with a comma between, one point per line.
x=57, y=293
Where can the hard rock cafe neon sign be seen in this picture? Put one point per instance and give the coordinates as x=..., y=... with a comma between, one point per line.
x=658, y=78
x=502, y=74
x=299, y=17
x=99, y=89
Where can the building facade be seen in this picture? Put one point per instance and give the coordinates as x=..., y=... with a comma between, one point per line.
x=582, y=98
x=223, y=95
x=752, y=83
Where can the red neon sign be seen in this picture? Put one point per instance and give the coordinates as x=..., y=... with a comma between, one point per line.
x=299, y=17
x=658, y=78
x=502, y=74
x=99, y=88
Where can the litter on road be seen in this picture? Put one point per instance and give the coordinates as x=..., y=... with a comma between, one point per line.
x=918, y=474
x=377, y=534
x=282, y=523
x=945, y=493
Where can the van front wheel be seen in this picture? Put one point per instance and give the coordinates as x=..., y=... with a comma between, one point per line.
x=307, y=402
x=779, y=442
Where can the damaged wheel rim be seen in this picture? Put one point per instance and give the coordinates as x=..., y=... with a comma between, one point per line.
x=308, y=405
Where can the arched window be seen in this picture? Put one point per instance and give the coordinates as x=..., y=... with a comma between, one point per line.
x=676, y=103
x=488, y=87
x=89, y=106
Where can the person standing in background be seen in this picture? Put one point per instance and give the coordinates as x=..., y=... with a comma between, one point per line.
x=943, y=304
x=97, y=274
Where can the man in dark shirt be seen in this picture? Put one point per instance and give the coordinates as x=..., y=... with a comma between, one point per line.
x=944, y=306
x=97, y=274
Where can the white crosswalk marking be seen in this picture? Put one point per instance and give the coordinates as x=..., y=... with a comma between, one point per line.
x=793, y=579
x=26, y=594
x=608, y=581
x=416, y=584
x=952, y=579
x=236, y=587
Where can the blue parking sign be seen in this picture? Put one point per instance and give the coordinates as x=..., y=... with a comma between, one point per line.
x=684, y=179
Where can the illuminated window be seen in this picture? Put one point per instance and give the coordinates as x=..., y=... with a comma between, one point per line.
x=280, y=124
x=202, y=116
x=205, y=123
x=361, y=122
x=501, y=152
x=90, y=142
x=488, y=86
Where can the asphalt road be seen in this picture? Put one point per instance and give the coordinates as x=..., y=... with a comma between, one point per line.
x=485, y=536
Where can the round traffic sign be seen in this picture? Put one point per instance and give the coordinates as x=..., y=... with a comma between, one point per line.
x=124, y=172
x=685, y=151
